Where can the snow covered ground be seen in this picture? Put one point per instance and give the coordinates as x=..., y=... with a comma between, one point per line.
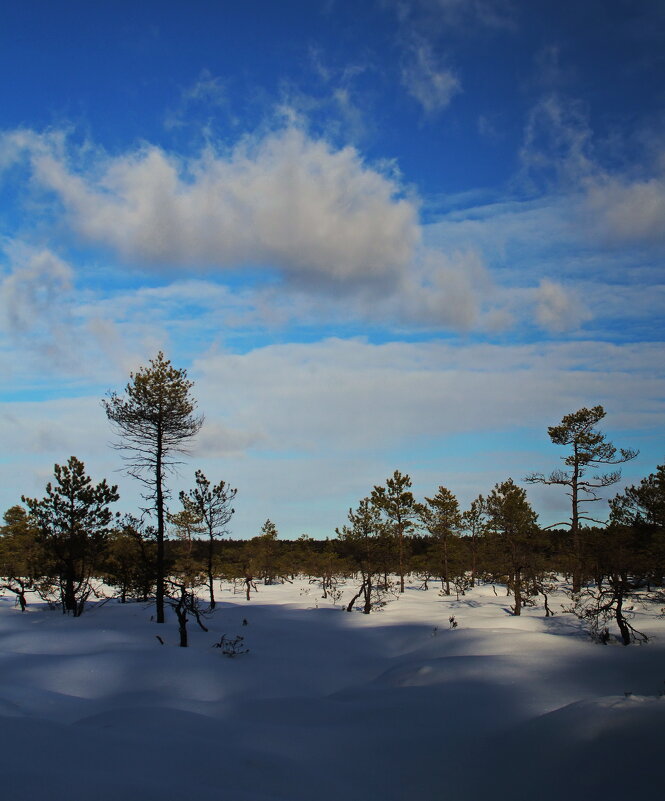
x=328, y=705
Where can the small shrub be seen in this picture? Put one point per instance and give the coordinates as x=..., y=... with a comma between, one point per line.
x=231, y=646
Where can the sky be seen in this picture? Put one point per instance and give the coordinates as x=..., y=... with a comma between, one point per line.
x=378, y=235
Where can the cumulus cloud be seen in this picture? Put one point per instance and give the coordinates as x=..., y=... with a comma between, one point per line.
x=558, y=309
x=427, y=81
x=285, y=201
x=627, y=210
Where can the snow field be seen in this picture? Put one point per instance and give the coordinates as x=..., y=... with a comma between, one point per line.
x=328, y=705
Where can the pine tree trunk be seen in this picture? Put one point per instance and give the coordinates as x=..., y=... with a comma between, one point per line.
x=619, y=593
x=575, y=529
x=159, y=598
x=401, y=558
x=211, y=580
x=517, y=591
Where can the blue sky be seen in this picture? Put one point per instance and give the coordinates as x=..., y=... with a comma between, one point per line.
x=379, y=235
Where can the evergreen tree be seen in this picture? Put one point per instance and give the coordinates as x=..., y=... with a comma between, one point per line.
x=212, y=504
x=589, y=450
x=21, y=556
x=442, y=519
x=154, y=420
x=640, y=510
x=186, y=526
x=513, y=523
x=397, y=503
x=474, y=522
x=74, y=521
x=130, y=559
x=264, y=553
x=365, y=541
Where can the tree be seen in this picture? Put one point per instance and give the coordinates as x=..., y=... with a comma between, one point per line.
x=264, y=556
x=641, y=510
x=74, y=521
x=590, y=450
x=396, y=501
x=442, y=518
x=365, y=542
x=474, y=522
x=643, y=504
x=130, y=559
x=186, y=526
x=213, y=507
x=513, y=522
x=21, y=558
x=184, y=602
x=154, y=420
x=620, y=575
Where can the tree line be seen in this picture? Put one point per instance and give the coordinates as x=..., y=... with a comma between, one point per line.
x=61, y=544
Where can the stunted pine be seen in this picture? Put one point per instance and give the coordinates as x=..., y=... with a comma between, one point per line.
x=212, y=505
x=441, y=517
x=397, y=503
x=154, y=419
x=512, y=521
x=73, y=520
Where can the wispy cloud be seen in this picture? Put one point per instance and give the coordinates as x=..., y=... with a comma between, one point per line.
x=207, y=94
x=431, y=84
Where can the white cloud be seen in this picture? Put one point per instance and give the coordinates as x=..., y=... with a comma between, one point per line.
x=613, y=206
x=557, y=143
x=286, y=201
x=207, y=92
x=34, y=293
x=217, y=440
x=446, y=291
x=305, y=430
x=427, y=81
x=36, y=305
x=627, y=210
x=349, y=395
x=558, y=309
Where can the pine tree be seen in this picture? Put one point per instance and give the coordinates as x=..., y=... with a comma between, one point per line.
x=212, y=504
x=365, y=543
x=442, y=518
x=21, y=555
x=589, y=450
x=153, y=421
x=396, y=501
x=513, y=522
x=474, y=522
x=74, y=521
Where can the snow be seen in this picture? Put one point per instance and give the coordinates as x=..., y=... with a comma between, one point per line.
x=328, y=705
